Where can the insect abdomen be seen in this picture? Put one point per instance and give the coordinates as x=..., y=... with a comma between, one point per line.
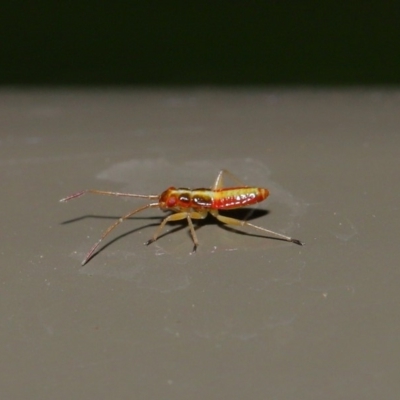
x=229, y=198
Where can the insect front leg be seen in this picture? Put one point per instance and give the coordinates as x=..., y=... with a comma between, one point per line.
x=238, y=222
x=177, y=217
x=173, y=217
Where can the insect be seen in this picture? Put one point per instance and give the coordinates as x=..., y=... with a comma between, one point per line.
x=192, y=204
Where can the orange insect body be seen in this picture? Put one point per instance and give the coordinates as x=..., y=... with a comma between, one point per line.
x=208, y=199
x=192, y=204
x=230, y=198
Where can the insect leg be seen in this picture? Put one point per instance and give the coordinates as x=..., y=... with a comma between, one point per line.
x=238, y=222
x=172, y=217
x=113, y=226
x=193, y=233
x=195, y=215
x=219, y=181
x=177, y=217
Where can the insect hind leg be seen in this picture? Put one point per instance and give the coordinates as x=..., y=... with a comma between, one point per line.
x=238, y=222
x=218, y=184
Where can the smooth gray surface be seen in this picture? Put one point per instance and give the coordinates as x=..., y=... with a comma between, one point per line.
x=243, y=318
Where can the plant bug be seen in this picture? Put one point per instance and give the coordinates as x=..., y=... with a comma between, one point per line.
x=192, y=204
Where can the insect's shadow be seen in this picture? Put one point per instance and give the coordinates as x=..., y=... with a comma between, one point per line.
x=246, y=214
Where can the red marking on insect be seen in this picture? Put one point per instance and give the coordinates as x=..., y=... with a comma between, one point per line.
x=192, y=204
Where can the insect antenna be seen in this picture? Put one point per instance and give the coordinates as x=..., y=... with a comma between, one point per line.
x=94, y=191
x=123, y=218
x=113, y=226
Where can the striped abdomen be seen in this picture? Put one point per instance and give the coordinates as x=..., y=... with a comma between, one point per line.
x=225, y=199
x=220, y=199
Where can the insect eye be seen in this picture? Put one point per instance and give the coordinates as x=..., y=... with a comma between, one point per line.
x=171, y=201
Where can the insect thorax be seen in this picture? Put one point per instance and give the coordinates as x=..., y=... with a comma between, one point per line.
x=183, y=198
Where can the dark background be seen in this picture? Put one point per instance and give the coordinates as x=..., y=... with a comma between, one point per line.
x=200, y=43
